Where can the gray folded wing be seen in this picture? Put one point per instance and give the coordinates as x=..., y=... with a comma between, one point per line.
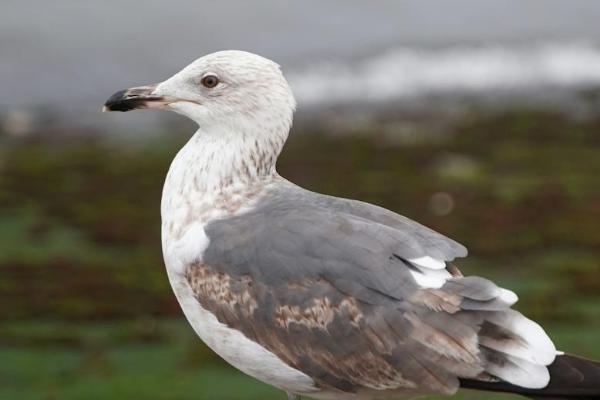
x=429, y=242
x=424, y=241
x=326, y=286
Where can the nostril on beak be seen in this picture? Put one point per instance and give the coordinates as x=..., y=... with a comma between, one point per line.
x=145, y=91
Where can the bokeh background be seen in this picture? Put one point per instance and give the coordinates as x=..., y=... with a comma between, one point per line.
x=479, y=119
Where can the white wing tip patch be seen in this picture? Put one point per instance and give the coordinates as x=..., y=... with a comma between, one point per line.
x=521, y=373
x=428, y=262
x=431, y=279
x=542, y=347
x=507, y=296
x=536, y=347
x=431, y=272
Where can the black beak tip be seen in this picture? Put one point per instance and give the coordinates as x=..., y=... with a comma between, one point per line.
x=119, y=102
x=124, y=101
x=120, y=95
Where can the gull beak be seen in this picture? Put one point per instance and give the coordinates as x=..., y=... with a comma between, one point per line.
x=136, y=98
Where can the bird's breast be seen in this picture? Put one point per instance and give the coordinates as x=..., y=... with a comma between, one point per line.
x=186, y=210
x=188, y=205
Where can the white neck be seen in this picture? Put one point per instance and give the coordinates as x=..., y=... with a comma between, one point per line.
x=216, y=174
x=214, y=160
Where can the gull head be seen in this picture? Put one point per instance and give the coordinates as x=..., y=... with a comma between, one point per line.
x=232, y=88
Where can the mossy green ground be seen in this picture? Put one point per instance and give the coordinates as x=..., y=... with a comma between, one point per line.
x=85, y=305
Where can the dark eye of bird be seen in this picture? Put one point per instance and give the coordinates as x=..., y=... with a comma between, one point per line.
x=210, y=81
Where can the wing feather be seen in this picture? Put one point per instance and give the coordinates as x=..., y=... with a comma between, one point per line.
x=334, y=294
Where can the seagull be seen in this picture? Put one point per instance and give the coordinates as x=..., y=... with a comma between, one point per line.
x=320, y=296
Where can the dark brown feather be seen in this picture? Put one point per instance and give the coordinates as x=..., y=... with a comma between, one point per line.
x=341, y=342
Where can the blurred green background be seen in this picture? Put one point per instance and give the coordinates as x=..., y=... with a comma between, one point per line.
x=85, y=305
x=478, y=119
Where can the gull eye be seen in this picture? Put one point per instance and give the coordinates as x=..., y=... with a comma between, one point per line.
x=210, y=81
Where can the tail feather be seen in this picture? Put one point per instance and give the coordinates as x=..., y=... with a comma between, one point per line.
x=571, y=378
